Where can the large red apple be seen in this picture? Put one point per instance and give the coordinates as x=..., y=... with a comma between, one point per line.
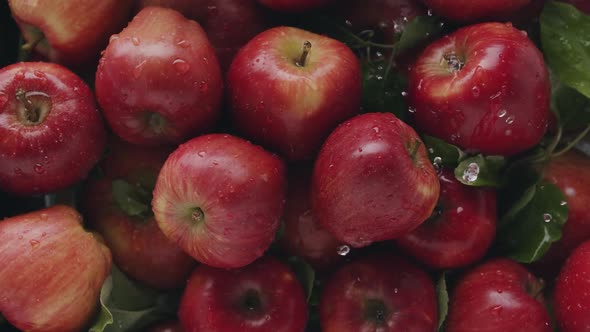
x=71, y=32
x=373, y=181
x=484, y=88
x=460, y=230
x=159, y=81
x=52, y=270
x=263, y=296
x=294, y=6
x=118, y=206
x=220, y=198
x=475, y=10
x=51, y=133
x=288, y=88
x=499, y=295
x=379, y=293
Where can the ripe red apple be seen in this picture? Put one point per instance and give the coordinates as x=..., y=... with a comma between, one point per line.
x=220, y=199
x=499, y=295
x=304, y=236
x=378, y=293
x=373, y=181
x=475, y=10
x=51, y=133
x=169, y=326
x=263, y=296
x=460, y=230
x=118, y=206
x=288, y=88
x=70, y=32
x=52, y=270
x=159, y=81
x=294, y=6
x=484, y=88
x=572, y=292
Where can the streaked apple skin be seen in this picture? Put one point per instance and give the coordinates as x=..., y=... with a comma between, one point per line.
x=220, y=198
x=52, y=270
x=291, y=108
x=159, y=81
x=475, y=10
x=294, y=6
x=63, y=146
x=402, y=297
x=216, y=299
x=497, y=103
x=366, y=185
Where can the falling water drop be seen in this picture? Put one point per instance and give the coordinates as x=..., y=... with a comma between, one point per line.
x=471, y=173
x=343, y=250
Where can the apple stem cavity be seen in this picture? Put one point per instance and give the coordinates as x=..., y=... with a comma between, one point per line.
x=304, y=54
x=454, y=62
x=376, y=311
x=251, y=301
x=29, y=113
x=197, y=215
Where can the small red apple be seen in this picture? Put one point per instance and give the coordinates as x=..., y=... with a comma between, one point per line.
x=499, y=295
x=263, y=296
x=220, y=198
x=475, y=10
x=460, y=230
x=170, y=326
x=288, y=88
x=51, y=133
x=52, y=270
x=373, y=181
x=159, y=81
x=484, y=88
x=294, y=6
x=378, y=293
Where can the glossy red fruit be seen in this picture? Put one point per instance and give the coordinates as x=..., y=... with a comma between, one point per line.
x=294, y=6
x=52, y=270
x=118, y=206
x=289, y=103
x=159, y=81
x=379, y=293
x=572, y=292
x=220, y=198
x=170, y=326
x=499, y=295
x=263, y=296
x=484, y=88
x=475, y=10
x=51, y=133
x=373, y=181
x=460, y=230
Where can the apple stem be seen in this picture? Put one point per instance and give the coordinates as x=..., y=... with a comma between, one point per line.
x=197, y=215
x=32, y=114
x=304, y=54
x=454, y=62
x=27, y=48
x=414, y=149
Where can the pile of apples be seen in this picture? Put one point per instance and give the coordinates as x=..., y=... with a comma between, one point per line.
x=264, y=168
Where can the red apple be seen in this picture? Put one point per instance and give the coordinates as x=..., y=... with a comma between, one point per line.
x=460, y=230
x=118, y=206
x=220, y=198
x=67, y=31
x=373, y=181
x=475, y=10
x=294, y=6
x=303, y=235
x=289, y=88
x=170, y=326
x=263, y=296
x=572, y=292
x=52, y=270
x=499, y=295
x=378, y=293
x=484, y=88
x=51, y=133
x=159, y=81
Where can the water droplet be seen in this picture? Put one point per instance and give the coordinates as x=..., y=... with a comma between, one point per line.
x=203, y=87
x=395, y=290
x=343, y=250
x=34, y=243
x=20, y=75
x=379, y=77
x=213, y=10
x=404, y=94
x=563, y=203
x=348, y=23
x=429, y=12
x=471, y=172
x=39, y=169
x=411, y=110
x=39, y=74
x=547, y=217
x=181, y=66
x=202, y=154
x=376, y=129
x=183, y=43
x=135, y=41
x=502, y=113
x=510, y=119
x=113, y=38
x=138, y=69
x=331, y=166
x=475, y=91
x=437, y=162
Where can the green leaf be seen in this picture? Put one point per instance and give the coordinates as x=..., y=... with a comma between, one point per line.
x=104, y=317
x=565, y=35
x=383, y=88
x=450, y=155
x=443, y=300
x=528, y=230
x=480, y=171
x=305, y=274
x=572, y=107
x=130, y=198
x=417, y=32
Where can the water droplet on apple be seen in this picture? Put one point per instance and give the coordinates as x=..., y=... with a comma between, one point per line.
x=34, y=243
x=376, y=129
x=547, y=217
x=343, y=250
x=181, y=66
x=497, y=309
x=113, y=38
x=205, y=60
x=471, y=173
x=203, y=87
x=183, y=43
x=20, y=75
x=563, y=203
x=395, y=290
x=138, y=69
x=39, y=169
x=437, y=162
x=429, y=12
x=475, y=91
x=510, y=119
x=502, y=113
x=39, y=74
x=135, y=41
x=202, y=154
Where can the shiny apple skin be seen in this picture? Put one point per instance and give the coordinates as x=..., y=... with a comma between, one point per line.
x=405, y=292
x=498, y=295
x=213, y=299
x=475, y=10
x=572, y=291
x=286, y=107
x=138, y=246
x=161, y=63
x=294, y=6
x=498, y=103
x=463, y=231
x=52, y=270
x=240, y=189
x=366, y=187
x=61, y=149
